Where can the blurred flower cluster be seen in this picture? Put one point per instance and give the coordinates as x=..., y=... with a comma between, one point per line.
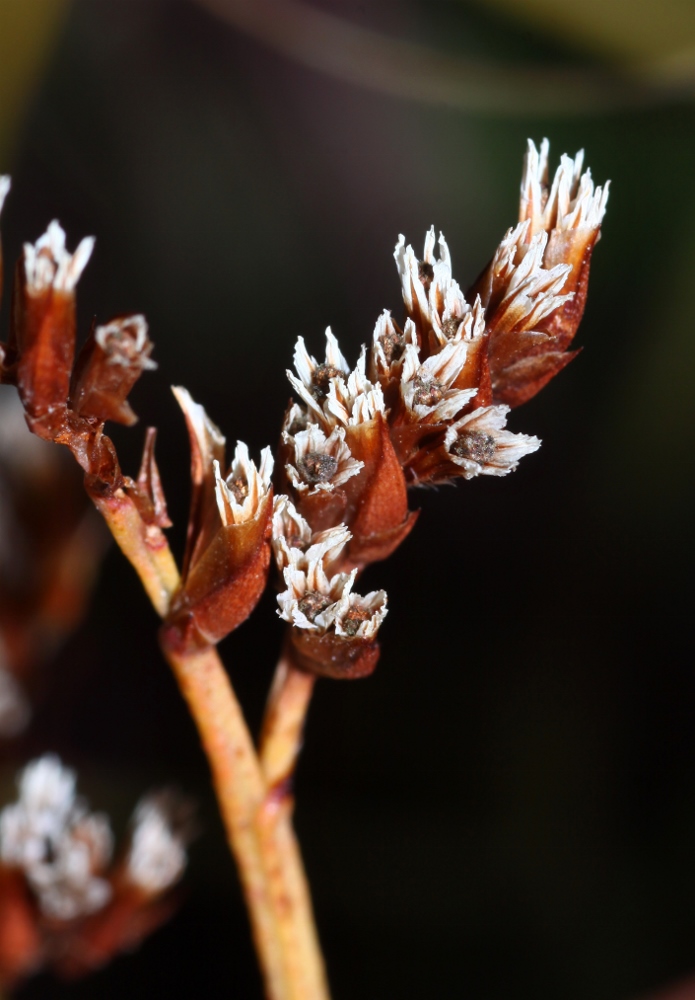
x=65, y=902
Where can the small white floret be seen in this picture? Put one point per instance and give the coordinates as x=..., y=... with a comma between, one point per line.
x=125, y=342
x=157, y=856
x=240, y=494
x=570, y=202
x=47, y=264
x=428, y=389
x=479, y=444
x=320, y=463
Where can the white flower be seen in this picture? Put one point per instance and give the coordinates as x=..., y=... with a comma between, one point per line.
x=332, y=393
x=47, y=264
x=5, y=184
x=157, y=856
x=125, y=342
x=356, y=401
x=291, y=533
x=60, y=847
x=455, y=326
x=527, y=292
x=320, y=463
x=312, y=598
x=240, y=494
x=479, y=445
x=572, y=202
x=316, y=601
x=314, y=377
x=363, y=616
x=429, y=285
x=388, y=346
x=427, y=388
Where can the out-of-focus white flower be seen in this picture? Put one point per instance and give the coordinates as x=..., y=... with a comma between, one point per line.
x=61, y=847
x=5, y=184
x=125, y=342
x=157, y=856
x=47, y=264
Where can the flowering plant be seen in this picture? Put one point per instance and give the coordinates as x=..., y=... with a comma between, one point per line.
x=426, y=403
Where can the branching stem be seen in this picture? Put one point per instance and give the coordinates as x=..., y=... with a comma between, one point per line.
x=257, y=813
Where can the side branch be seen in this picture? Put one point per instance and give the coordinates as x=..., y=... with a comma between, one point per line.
x=283, y=724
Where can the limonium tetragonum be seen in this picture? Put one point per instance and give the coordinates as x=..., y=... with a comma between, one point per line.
x=427, y=402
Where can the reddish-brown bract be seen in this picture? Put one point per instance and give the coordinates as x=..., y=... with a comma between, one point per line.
x=224, y=585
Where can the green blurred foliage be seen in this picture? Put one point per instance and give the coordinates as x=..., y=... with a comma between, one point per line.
x=28, y=32
x=626, y=30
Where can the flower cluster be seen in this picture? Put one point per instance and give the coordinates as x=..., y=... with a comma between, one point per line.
x=427, y=403
x=64, y=901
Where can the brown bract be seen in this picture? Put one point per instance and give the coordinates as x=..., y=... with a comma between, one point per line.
x=378, y=515
x=224, y=585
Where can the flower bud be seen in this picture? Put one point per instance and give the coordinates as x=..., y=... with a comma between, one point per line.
x=109, y=365
x=43, y=319
x=534, y=290
x=228, y=551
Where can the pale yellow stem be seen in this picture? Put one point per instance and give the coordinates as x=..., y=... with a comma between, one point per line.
x=283, y=725
x=145, y=546
x=257, y=822
x=240, y=791
x=281, y=741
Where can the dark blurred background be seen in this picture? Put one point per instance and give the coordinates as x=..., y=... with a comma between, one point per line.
x=507, y=807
